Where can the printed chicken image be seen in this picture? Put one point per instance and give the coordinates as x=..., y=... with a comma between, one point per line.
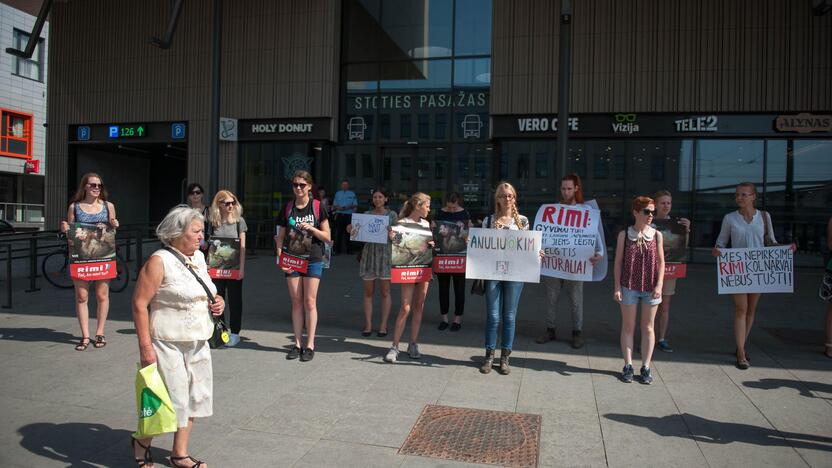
x=92, y=242
x=411, y=247
x=224, y=254
x=450, y=237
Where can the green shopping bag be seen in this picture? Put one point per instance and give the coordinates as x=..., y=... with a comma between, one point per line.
x=156, y=413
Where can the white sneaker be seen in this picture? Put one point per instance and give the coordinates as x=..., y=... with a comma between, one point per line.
x=413, y=351
x=233, y=340
x=392, y=355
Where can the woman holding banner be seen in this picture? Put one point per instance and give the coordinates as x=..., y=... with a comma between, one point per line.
x=747, y=227
x=304, y=230
x=415, y=211
x=375, y=265
x=174, y=285
x=452, y=212
x=225, y=221
x=89, y=205
x=502, y=297
x=639, y=276
x=664, y=202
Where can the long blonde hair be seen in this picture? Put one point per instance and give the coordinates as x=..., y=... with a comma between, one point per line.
x=417, y=199
x=498, y=203
x=214, y=215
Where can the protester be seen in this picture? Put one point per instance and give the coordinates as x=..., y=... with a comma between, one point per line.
x=304, y=230
x=502, y=297
x=572, y=193
x=826, y=290
x=344, y=205
x=195, y=200
x=89, y=205
x=175, y=333
x=226, y=221
x=452, y=212
x=326, y=203
x=664, y=202
x=747, y=227
x=414, y=211
x=375, y=265
x=639, y=274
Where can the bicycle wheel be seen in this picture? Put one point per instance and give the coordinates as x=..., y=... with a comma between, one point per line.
x=122, y=279
x=55, y=268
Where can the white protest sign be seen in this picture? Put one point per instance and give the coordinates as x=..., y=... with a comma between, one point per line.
x=570, y=233
x=369, y=228
x=759, y=270
x=503, y=255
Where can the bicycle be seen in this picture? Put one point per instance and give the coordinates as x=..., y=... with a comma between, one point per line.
x=55, y=268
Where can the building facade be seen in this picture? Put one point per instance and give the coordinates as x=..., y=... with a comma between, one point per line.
x=451, y=95
x=22, y=119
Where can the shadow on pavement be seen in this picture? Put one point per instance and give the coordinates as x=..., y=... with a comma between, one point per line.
x=560, y=367
x=33, y=335
x=716, y=432
x=82, y=444
x=805, y=388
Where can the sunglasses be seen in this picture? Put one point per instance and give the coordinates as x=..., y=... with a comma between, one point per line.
x=229, y=203
x=95, y=186
x=649, y=212
x=195, y=192
x=298, y=185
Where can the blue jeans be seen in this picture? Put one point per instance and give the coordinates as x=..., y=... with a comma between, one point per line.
x=501, y=299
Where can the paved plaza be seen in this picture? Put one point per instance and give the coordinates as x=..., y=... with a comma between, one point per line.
x=347, y=408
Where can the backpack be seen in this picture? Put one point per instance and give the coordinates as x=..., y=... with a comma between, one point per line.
x=316, y=210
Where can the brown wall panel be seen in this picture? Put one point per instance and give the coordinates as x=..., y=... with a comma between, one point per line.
x=664, y=56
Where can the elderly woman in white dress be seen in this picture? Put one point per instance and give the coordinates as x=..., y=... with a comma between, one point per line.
x=175, y=332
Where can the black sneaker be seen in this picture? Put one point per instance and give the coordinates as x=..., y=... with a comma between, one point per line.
x=443, y=325
x=294, y=353
x=455, y=327
x=646, y=377
x=627, y=373
x=307, y=355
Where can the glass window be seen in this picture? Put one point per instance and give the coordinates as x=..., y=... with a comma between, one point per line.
x=361, y=31
x=15, y=134
x=361, y=182
x=405, y=125
x=384, y=126
x=472, y=32
x=720, y=166
x=515, y=166
x=799, y=193
x=472, y=73
x=415, y=29
x=473, y=173
x=424, y=126
x=367, y=171
x=416, y=75
x=440, y=128
x=30, y=68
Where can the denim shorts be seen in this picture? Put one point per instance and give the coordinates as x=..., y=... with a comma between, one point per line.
x=314, y=270
x=630, y=297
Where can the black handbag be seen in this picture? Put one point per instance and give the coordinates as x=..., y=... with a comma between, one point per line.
x=220, y=336
x=478, y=287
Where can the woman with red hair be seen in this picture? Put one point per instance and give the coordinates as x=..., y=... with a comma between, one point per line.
x=639, y=276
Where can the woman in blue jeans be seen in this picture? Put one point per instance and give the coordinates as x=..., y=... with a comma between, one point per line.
x=502, y=297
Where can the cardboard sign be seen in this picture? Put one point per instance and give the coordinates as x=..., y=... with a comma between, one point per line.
x=411, y=255
x=570, y=234
x=503, y=255
x=449, y=239
x=369, y=228
x=293, y=262
x=758, y=270
x=92, y=251
x=224, y=258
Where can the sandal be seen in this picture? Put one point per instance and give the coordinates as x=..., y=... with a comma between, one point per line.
x=148, y=458
x=197, y=463
x=100, y=342
x=83, y=346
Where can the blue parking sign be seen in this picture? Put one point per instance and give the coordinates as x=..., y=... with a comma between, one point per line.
x=83, y=133
x=113, y=131
x=177, y=131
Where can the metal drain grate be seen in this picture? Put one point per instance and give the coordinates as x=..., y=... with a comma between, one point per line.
x=475, y=436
